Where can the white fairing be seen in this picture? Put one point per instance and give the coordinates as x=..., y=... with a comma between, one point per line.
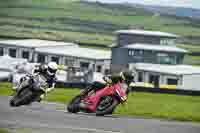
x=20, y=72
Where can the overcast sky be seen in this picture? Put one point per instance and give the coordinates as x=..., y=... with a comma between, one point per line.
x=182, y=3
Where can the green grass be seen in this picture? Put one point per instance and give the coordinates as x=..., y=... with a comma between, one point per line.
x=183, y=108
x=5, y=89
x=192, y=60
x=148, y=105
x=62, y=95
x=58, y=95
x=189, y=59
x=3, y=131
x=190, y=48
x=82, y=22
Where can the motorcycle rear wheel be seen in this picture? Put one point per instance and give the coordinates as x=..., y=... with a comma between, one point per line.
x=106, y=107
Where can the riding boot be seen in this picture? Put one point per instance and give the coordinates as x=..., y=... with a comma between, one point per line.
x=39, y=99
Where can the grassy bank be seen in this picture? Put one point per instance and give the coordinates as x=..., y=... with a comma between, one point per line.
x=3, y=131
x=190, y=48
x=148, y=105
x=84, y=22
x=59, y=95
x=184, y=108
x=190, y=59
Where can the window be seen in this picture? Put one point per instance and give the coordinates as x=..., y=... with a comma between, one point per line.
x=84, y=65
x=140, y=76
x=1, y=51
x=12, y=52
x=135, y=52
x=154, y=79
x=55, y=59
x=107, y=71
x=167, y=42
x=25, y=54
x=164, y=58
x=41, y=58
x=172, y=81
x=99, y=68
x=151, y=78
x=69, y=62
x=131, y=52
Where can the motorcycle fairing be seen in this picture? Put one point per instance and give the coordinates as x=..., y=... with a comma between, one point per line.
x=92, y=101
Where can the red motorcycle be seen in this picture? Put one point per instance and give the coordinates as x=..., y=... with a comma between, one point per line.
x=102, y=101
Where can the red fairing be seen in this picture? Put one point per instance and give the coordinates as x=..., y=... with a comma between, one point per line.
x=120, y=91
x=92, y=101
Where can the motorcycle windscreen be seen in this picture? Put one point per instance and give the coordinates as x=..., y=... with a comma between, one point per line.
x=120, y=91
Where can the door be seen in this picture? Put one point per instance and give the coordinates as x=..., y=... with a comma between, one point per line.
x=154, y=79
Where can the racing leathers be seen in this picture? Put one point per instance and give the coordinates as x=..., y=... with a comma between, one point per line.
x=51, y=79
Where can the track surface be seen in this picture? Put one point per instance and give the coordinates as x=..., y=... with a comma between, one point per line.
x=50, y=118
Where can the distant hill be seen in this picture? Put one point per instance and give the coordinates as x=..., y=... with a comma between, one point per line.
x=85, y=22
x=174, y=11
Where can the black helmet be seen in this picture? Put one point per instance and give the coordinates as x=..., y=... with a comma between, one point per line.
x=127, y=76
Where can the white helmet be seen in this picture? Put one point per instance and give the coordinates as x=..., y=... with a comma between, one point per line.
x=52, y=68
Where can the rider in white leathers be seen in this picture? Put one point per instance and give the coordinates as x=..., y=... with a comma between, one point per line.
x=49, y=72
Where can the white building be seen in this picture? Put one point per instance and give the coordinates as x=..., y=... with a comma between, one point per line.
x=84, y=58
x=184, y=77
x=26, y=48
x=68, y=54
x=8, y=65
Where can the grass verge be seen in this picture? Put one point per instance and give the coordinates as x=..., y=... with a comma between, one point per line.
x=148, y=105
x=3, y=131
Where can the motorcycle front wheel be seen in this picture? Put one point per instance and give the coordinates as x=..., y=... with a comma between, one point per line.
x=106, y=105
x=72, y=106
x=22, y=98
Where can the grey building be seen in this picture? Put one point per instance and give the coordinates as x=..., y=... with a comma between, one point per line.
x=126, y=37
x=134, y=46
x=155, y=59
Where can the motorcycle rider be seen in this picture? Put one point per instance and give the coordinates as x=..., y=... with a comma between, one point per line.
x=125, y=78
x=49, y=72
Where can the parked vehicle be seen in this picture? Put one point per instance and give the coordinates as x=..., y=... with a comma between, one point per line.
x=102, y=101
x=29, y=90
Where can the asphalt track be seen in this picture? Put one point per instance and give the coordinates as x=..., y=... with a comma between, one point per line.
x=51, y=118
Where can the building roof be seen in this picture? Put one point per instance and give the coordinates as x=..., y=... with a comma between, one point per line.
x=77, y=52
x=168, y=69
x=155, y=47
x=34, y=43
x=147, y=33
